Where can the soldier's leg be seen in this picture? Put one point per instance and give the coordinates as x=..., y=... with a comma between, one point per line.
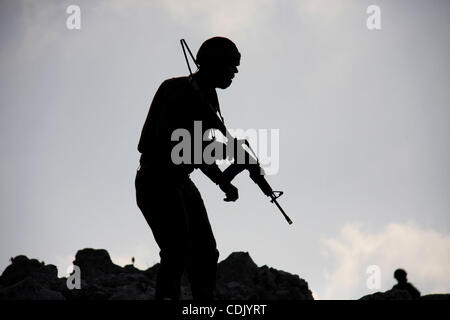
x=163, y=208
x=203, y=266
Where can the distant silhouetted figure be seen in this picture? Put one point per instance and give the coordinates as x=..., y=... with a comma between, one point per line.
x=403, y=284
x=132, y=261
x=167, y=197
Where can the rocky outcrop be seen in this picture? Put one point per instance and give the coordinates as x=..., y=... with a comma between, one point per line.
x=30, y=279
x=238, y=277
x=395, y=294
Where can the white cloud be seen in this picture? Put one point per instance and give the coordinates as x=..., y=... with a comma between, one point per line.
x=423, y=253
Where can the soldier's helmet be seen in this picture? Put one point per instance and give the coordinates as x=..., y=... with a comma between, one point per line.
x=218, y=51
x=400, y=275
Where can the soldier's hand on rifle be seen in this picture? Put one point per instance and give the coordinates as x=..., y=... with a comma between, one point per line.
x=231, y=192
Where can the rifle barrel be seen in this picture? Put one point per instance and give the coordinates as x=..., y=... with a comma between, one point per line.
x=281, y=209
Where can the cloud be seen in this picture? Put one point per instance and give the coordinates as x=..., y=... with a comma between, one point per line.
x=423, y=253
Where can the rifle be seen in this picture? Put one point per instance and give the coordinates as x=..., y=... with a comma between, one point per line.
x=252, y=165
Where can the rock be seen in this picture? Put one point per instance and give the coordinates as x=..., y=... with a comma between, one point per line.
x=29, y=289
x=395, y=294
x=23, y=267
x=439, y=296
x=237, y=267
x=392, y=294
x=30, y=279
x=239, y=278
x=102, y=279
x=95, y=263
x=152, y=272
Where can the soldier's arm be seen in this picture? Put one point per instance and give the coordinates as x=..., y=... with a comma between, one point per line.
x=216, y=175
x=213, y=172
x=153, y=122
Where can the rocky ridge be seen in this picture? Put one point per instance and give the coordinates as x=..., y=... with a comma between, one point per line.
x=238, y=278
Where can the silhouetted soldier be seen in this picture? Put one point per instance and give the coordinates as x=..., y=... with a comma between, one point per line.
x=168, y=199
x=403, y=284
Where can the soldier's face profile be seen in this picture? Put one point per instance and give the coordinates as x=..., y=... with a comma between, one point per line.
x=224, y=75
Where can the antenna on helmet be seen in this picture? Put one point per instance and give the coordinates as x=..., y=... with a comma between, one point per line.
x=184, y=44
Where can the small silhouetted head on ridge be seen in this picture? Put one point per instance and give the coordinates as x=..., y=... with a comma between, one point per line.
x=400, y=275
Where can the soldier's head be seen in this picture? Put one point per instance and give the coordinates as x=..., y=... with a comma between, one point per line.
x=400, y=275
x=218, y=59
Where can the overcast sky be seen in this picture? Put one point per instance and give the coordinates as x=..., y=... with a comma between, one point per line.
x=363, y=118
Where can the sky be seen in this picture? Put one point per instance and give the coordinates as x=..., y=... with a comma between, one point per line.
x=363, y=118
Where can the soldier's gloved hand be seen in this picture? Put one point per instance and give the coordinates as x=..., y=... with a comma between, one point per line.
x=231, y=192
